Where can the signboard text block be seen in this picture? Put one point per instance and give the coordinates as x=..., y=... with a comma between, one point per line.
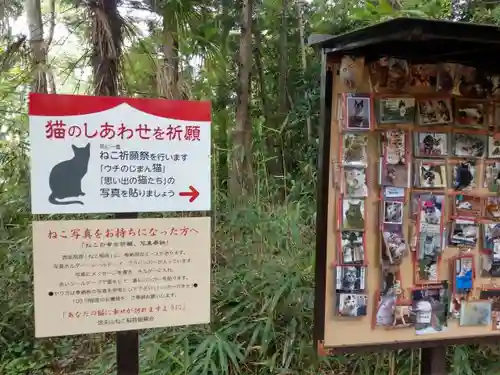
x=115, y=275
x=110, y=154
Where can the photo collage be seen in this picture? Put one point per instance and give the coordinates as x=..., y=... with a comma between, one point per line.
x=439, y=191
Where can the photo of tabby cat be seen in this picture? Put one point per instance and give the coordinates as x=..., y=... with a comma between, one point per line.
x=354, y=149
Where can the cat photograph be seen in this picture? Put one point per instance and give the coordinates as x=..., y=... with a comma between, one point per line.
x=394, y=146
x=468, y=145
x=492, y=177
x=464, y=175
x=470, y=114
x=466, y=205
x=493, y=208
x=430, y=175
x=351, y=71
x=431, y=144
x=389, y=74
x=393, y=212
x=355, y=182
x=354, y=149
x=358, y=113
x=394, y=247
x=445, y=77
x=463, y=232
x=431, y=213
x=352, y=244
x=434, y=112
x=353, y=214
x=493, y=147
x=350, y=278
x=396, y=110
x=65, y=180
x=394, y=175
x=352, y=305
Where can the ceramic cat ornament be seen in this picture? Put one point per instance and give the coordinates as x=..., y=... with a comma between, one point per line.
x=65, y=178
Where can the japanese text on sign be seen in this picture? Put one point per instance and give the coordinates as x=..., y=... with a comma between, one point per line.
x=114, y=275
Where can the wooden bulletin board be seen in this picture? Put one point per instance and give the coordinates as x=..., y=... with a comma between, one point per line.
x=344, y=333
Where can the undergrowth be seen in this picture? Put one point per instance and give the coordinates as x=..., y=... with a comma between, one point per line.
x=262, y=304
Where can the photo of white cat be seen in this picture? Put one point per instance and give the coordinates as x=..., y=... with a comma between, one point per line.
x=355, y=182
x=358, y=113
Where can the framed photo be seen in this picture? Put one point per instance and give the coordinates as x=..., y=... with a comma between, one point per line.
x=430, y=305
x=353, y=214
x=493, y=295
x=358, y=112
x=463, y=175
x=354, y=149
x=491, y=238
x=350, y=278
x=352, y=305
x=393, y=212
x=394, y=247
x=430, y=174
x=468, y=145
x=445, y=77
x=475, y=313
x=394, y=175
x=434, y=112
x=463, y=274
x=430, y=217
x=352, y=245
x=354, y=182
x=389, y=74
x=471, y=114
x=420, y=200
x=394, y=147
x=492, y=210
x=396, y=110
x=492, y=177
x=463, y=232
x=493, y=147
x=466, y=205
x=432, y=145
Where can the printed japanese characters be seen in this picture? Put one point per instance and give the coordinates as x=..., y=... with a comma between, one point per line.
x=396, y=110
x=353, y=247
x=350, y=278
x=434, y=112
x=358, y=113
x=431, y=144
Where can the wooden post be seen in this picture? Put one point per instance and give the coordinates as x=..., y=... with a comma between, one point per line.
x=127, y=342
x=433, y=361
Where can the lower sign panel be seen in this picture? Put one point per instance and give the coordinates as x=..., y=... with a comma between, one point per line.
x=115, y=275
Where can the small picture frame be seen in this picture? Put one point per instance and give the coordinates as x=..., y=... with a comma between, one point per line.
x=430, y=217
x=350, y=278
x=390, y=192
x=352, y=246
x=475, y=313
x=389, y=74
x=471, y=114
x=358, y=112
x=493, y=295
x=394, y=248
x=353, y=214
x=468, y=145
x=394, y=147
x=423, y=77
x=491, y=240
x=395, y=110
x=434, y=112
x=394, y=175
x=430, y=174
x=463, y=232
x=445, y=77
x=354, y=182
x=463, y=175
x=492, y=177
x=466, y=205
x=463, y=274
x=352, y=305
x=393, y=212
x=431, y=145
x=354, y=149
x=492, y=210
x=493, y=147
x=430, y=305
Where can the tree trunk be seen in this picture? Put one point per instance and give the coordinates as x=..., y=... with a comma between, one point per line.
x=241, y=159
x=107, y=39
x=168, y=79
x=38, y=46
x=304, y=63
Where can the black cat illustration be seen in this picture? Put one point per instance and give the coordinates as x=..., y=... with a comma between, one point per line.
x=65, y=178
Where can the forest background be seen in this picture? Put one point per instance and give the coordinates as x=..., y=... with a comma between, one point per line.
x=250, y=59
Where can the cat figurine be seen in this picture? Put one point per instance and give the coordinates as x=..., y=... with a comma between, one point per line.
x=354, y=217
x=65, y=178
x=351, y=71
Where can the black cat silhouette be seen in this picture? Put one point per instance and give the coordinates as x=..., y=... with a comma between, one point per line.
x=65, y=178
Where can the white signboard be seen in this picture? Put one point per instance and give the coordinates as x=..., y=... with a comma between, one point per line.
x=111, y=154
x=115, y=275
